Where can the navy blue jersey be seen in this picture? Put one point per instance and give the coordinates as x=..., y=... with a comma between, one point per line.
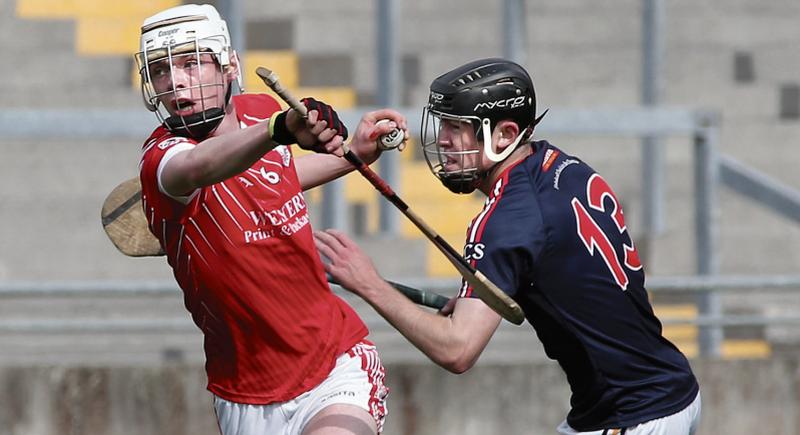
x=552, y=236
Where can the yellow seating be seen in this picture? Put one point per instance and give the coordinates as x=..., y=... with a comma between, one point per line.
x=102, y=27
x=676, y=311
x=446, y=213
x=134, y=10
x=730, y=348
x=419, y=184
x=34, y=9
x=108, y=36
x=340, y=97
x=685, y=336
x=449, y=220
x=358, y=190
x=745, y=348
x=283, y=62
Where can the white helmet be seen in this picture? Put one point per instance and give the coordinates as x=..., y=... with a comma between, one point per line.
x=186, y=30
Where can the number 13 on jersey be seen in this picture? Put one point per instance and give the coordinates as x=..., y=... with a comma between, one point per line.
x=593, y=236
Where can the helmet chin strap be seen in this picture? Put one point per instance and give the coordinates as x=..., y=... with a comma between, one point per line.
x=197, y=125
x=487, y=143
x=459, y=183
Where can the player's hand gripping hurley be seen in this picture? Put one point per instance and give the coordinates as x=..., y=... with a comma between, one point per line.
x=482, y=286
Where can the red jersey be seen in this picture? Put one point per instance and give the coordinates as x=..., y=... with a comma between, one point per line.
x=243, y=252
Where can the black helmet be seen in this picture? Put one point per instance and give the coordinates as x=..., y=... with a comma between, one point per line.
x=487, y=88
x=482, y=92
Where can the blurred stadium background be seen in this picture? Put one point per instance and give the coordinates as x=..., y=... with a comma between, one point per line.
x=690, y=109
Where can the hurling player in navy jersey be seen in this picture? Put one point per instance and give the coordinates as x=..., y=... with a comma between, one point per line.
x=551, y=235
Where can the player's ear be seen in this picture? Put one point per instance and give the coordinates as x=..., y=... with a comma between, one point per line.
x=232, y=70
x=505, y=134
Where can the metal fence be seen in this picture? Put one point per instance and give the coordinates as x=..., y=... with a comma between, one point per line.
x=107, y=289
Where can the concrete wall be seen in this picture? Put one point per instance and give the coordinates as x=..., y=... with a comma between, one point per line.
x=739, y=397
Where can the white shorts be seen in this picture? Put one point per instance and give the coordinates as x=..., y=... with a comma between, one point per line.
x=683, y=422
x=357, y=379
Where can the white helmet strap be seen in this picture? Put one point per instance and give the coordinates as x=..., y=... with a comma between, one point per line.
x=487, y=143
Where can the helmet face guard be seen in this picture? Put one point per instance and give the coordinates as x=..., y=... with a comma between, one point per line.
x=185, y=37
x=465, y=178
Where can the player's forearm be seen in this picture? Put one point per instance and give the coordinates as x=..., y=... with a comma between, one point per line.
x=433, y=334
x=316, y=169
x=219, y=158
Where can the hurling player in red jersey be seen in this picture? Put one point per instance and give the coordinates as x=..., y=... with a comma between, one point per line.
x=224, y=195
x=553, y=237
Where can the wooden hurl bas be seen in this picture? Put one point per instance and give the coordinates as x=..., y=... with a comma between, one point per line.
x=124, y=221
